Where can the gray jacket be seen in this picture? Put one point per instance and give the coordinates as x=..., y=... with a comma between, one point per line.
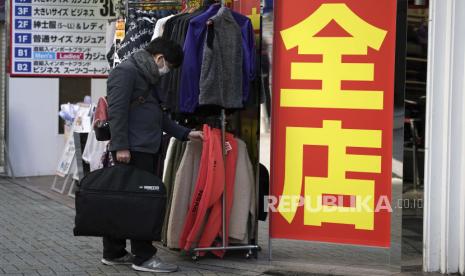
x=221, y=72
x=138, y=127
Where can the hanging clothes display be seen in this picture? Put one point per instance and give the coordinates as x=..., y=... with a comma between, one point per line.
x=219, y=64
x=218, y=68
x=194, y=54
x=175, y=154
x=195, y=216
x=243, y=212
x=160, y=26
x=183, y=189
x=208, y=192
x=140, y=27
x=138, y=36
x=175, y=29
x=221, y=82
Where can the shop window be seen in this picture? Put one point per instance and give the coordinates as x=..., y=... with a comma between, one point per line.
x=72, y=90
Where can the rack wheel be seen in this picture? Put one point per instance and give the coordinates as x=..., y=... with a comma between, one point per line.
x=195, y=255
x=249, y=254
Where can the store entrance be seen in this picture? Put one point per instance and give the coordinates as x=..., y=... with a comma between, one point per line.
x=414, y=134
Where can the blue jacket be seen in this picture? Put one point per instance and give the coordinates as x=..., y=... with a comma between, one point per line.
x=193, y=54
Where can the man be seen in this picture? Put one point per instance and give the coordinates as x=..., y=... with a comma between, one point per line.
x=137, y=124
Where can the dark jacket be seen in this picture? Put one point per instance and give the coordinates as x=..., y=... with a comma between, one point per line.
x=137, y=127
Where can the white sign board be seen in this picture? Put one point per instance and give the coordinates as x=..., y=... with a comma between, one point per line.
x=67, y=159
x=82, y=122
x=59, y=37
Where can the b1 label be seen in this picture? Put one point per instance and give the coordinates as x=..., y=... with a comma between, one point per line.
x=23, y=52
x=23, y=67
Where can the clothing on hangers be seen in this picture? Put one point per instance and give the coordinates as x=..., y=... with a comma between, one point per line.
x=194, y=45
x=172, y=164
x=193, y=55
x=136, y=38
x=140, y=25
x=194, y=218
x=221, y=71
x=160, y=26
x=213, y=228
x=183, y=189
x=209, y=188
x=175, y=29
x=243, y=212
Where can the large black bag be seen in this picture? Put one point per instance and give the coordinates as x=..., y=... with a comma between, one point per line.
x=121, y=202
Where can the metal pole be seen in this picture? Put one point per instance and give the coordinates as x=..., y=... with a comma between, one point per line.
x=223, y=145
x=239, y=247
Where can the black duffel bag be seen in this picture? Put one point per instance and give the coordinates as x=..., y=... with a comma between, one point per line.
x=121, y=202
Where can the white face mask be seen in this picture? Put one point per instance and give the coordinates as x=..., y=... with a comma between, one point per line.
x=164, y=70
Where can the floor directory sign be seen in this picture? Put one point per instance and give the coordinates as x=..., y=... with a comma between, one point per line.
x=59, y=37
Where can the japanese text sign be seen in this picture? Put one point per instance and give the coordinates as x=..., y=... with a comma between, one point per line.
x=333, y=97
x=59, y=37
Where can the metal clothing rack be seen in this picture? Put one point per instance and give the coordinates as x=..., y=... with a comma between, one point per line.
x=225, y=247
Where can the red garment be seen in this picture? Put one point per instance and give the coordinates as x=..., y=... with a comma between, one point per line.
x=211, y=171
x=214, y=226
x=208, y=193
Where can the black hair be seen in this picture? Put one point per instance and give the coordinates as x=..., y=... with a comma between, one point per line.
x=171, y=50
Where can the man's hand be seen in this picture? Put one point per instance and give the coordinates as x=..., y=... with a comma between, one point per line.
x=123, y=156
x=195, y=136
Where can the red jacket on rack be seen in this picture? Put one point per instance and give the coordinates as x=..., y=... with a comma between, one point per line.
x=208, y=192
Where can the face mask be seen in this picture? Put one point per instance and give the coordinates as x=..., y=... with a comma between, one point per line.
x=164, y=70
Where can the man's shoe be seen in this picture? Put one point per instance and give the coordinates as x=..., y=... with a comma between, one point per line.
x=126, y=259
x=155, y=265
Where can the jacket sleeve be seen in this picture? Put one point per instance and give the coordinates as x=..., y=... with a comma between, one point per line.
x=172, y=128
x=119, y=90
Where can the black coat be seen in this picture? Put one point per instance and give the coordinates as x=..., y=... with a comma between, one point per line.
x=136, y=127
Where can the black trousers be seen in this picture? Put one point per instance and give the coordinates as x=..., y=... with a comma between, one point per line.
x=142, y=250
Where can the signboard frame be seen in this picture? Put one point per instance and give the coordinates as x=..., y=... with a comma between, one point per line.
x=10, y=27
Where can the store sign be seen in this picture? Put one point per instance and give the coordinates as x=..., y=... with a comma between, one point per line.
x=333, y=76
x=59, y=37
x=250, y=8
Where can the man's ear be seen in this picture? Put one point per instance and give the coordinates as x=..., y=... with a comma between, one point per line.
x=158, y=58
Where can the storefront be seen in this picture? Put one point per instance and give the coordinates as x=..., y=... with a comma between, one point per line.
x=425, y=227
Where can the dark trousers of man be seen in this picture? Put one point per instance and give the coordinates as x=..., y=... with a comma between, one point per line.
x=142, y=250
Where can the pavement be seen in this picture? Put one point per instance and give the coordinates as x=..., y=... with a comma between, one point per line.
x=36, y=238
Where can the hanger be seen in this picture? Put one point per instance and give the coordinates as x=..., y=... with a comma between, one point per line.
x=148, y=19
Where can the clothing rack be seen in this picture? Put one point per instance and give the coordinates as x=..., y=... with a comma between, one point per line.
x=251, y=247
x=225, y=247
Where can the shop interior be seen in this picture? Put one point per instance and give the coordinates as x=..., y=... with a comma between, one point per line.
x=414, y=134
